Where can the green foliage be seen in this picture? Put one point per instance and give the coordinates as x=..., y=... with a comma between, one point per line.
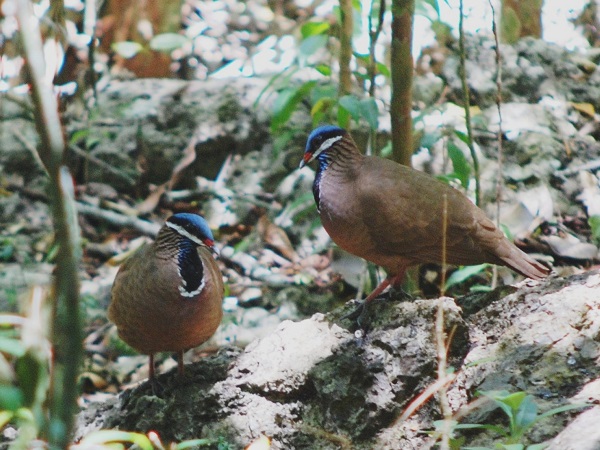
x=463, y=274
x=7, y=249
x=462, y=169
x=167, y=42
x=164, y=42
x=24, y=376
x=108, y=438
x=319, y=92
x=522, y=413
x=510, y=26
x=127, y=49
x=594, y=223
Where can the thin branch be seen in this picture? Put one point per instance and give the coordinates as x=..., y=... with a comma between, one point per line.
x=499, y=180
x=120, y=220
x=66, y=328
x=102, y=164
x=374, y=33
x=466, y=101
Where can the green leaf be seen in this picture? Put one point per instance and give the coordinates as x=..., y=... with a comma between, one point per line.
x=167, y=42
x=103, y=437
x=462, y=169
x=441, y=424
x=513, y=400
x=193, y=443
x=369, y=112
x=594, y=223
x=386, y=150
x=314, y=28
x=5, y=417
x=561, y=409
x=512, y=446
x=127, y=49
x=323, y=69
x=462, y=136
x=351, y=104
x=429, y=139
x=364, y=57
x=463, y=274
x=11, y=398
x=540, y=446
x=310, y=45
x=286, y=102
x=343, y=118
x=480, y=288
x=320, y=108
x=526, y=413
x=383, y=69
x=510, y=28
x=429, y=9
x=32, y=376
x=281, y=141
x=79, y=135
x=11, y=346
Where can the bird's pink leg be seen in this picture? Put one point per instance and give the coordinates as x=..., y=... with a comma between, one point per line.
x=151, y=367
x=394, y=280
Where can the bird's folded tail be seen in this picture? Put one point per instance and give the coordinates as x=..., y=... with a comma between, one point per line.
x=524, y=264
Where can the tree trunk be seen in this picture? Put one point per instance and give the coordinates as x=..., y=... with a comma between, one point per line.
x=402, y=73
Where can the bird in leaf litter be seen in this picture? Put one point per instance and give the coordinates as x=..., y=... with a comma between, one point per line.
x=393, y=215
x=167, y=297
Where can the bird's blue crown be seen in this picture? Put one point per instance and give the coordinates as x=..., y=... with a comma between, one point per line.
x=193, y=224
x=320, y=135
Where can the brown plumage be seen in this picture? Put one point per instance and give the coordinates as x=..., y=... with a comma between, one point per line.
x=392, y=215
x=168, y=295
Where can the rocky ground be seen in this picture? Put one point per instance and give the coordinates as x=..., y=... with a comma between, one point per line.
x=323, y=383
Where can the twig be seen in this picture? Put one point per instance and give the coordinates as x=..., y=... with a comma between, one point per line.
x=29, y=146
x=466, y=100
x=144, y=227
x=422, y=398
x=499, y=184
x=104, y=165
x=592, y=165
x=440, y=340
x=66, y=326
x=374, y=33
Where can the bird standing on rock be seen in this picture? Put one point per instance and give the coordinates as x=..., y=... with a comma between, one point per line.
x=168, y=295
x=393, y=215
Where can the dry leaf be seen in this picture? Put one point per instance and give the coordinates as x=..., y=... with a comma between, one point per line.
x=584, y=108
x=276, y=237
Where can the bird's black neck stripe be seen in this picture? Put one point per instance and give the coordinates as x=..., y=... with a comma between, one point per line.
x=324, y=160
x=190, y=267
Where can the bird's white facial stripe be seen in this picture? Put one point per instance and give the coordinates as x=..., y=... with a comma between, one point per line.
x=182, y=231
x=325, y=145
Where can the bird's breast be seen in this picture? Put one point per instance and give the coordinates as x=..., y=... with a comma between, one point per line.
x=340, y=213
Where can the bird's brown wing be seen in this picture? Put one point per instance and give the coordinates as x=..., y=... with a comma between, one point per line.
x=405, y=212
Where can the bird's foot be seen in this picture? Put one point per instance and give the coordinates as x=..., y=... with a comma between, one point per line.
x=396, y=293
x=355, y=313
x=157, y=388
x=361, y=315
